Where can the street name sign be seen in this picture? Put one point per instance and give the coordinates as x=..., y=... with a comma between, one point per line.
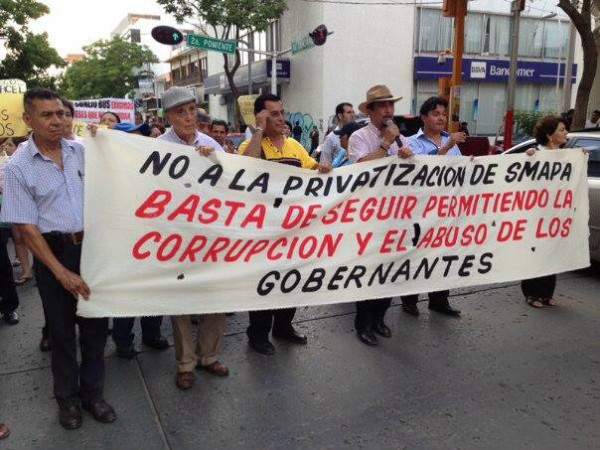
x=208, y=43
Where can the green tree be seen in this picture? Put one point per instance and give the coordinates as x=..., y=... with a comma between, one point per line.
x=28, y=55
x=107, y=70
x=225, y=19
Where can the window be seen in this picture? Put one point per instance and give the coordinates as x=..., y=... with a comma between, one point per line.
x=531, y=34
x=593, y=147
x=555, y=39
x=473, y=28
x=496, y=39
x=204, y=67
x=435, y=31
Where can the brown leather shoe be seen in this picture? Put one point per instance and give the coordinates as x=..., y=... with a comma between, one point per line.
x=70, y=417
x=185, y=380
x=101, y=411
x=217, y=368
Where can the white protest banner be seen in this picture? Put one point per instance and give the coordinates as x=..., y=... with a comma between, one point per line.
x=92, y=110
x=168, y=231
x=12, y=86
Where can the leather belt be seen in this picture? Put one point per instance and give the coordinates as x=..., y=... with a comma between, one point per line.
x=69, y=238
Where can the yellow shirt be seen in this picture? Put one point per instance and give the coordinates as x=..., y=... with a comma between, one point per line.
x=292, y=153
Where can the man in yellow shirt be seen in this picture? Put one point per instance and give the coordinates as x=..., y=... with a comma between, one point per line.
x=270, y=142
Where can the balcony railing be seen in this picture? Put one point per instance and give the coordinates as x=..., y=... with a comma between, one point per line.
x=187, y=80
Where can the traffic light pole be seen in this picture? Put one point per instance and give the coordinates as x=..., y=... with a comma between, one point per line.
x=512, y=76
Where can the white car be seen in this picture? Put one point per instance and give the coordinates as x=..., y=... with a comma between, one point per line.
x=590, y=140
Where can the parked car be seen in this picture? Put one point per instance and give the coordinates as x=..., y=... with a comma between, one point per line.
x=590, y=140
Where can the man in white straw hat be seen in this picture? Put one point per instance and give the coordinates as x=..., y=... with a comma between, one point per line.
x=379, y=139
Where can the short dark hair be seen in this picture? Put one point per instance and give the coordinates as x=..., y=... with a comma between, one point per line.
x=203, y=118
x=68, y=104
x=289, y=124
x=596, y=112
x=546, y=126
x=339, y=109
x=431, y=104
x=38, y=94
x=113, y=114
x=259, y=103
x=220, y=122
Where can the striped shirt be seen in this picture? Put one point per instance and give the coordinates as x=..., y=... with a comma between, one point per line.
x=200, y=139
x=38, y=192
x=367, y=140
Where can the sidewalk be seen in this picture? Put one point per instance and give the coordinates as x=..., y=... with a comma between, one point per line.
x=502, y=376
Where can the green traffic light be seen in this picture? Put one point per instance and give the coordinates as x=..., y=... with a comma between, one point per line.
x=175, y=36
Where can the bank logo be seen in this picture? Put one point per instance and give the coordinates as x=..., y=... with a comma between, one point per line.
x=478, y=69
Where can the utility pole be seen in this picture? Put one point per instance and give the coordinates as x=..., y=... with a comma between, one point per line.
x=568, y=83
x=458, y=10
x=516, y=8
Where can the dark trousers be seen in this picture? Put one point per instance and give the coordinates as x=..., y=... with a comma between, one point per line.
x=122, y=335
x=370, y=312
x=261, y=323
x=9, y=300
x=542, y=287
x=438, y=299
x=72, y=383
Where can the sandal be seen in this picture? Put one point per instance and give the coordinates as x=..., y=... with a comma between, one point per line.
x=22, y=280
x=534, y=302
x=4, y=431
x=549, y=301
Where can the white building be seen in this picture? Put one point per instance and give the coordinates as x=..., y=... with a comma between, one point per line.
x=398, y=45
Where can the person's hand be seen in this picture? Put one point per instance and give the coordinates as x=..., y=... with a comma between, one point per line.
x=204, y=150
x=74, y=284
x=530, y=151
x=261, y=119
x=92, y=128
x=324, y=167
x=458, y=138
x=390, y=133
x=405, y=152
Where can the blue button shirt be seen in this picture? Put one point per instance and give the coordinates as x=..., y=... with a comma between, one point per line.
x=38, y=192
x=420, y=144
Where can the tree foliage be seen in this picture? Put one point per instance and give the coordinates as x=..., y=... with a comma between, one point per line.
x=107, y=70
x=225, y=19
x=28, y=55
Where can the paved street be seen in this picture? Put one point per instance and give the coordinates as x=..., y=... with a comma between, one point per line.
x=503, y=376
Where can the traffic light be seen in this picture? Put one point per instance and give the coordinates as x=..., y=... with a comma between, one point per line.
x=167, y=35
x=319, y=35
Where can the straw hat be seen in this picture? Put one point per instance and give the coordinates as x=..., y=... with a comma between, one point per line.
x=379, y=93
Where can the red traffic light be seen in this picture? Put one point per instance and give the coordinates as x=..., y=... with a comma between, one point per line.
x=319, y=35
x=167, y=35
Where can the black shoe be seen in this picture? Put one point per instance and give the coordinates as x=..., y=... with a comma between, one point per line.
x=382, y=330
x=447, y=309
x=45, y=344
x=11, y=317
x=159, y=343
x=70, y=417
x=413, y=310
x=101, y=411
x=126, y=352
x=368, y=337
x=292, y=336
x=264, y=347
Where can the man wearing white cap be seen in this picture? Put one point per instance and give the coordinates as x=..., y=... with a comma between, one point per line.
x=179, y=105
x=379, y=139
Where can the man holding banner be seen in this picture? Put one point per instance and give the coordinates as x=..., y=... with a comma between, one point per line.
x=180, y=109
x=269, y=142
x=44, y=197
x=432, y=139
x=379, y=139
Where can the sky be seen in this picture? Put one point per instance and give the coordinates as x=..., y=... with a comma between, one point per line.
x=72, y=25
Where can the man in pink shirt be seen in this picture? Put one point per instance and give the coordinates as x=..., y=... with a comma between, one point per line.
x=377, y=140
